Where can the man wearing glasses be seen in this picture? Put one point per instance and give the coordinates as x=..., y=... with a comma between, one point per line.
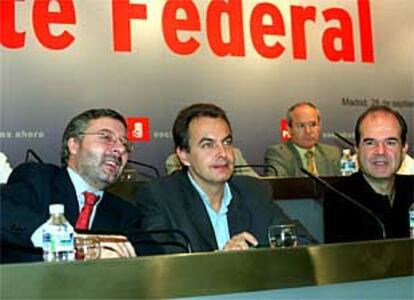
x=303, y=149
x=94, y=153
x=380, y=135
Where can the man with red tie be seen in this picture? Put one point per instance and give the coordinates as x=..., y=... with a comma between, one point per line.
x=94, y=152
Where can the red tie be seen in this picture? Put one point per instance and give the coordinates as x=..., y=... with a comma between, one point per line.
x=83, y=221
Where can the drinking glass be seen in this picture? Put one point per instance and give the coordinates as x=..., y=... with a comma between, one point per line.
x=282, y=236
x=87, y=248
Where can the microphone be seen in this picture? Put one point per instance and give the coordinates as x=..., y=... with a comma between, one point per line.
x=341, y=137
x=148, y=166
x=349, y=199
x=257, y=166
x=32, y=156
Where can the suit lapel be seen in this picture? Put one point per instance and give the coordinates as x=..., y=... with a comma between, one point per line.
x=320, y=159
x=297, y=163
x=104, y=216
x=197, y=212
x=64, y=192
x=237, y=217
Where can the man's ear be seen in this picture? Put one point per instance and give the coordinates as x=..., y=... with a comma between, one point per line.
x=183, y=156
x=404, y=151
x=289, y=129
x=73, y=146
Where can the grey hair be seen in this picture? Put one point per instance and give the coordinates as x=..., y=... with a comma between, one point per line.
x=303, y=103
x=78, y=125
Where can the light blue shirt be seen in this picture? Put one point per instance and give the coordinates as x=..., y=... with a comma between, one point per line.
x=218, y=219
x=80, y=187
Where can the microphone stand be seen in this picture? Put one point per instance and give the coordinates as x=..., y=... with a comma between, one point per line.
x=344, y=139
x=346, y=197
x=134, y=162
x=32, y=153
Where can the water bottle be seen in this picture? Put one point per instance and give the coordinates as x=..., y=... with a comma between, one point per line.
x=348, y=164
x=58, y=243
x=411, y=220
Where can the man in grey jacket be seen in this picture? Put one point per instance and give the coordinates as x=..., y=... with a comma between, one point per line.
x=304, y=149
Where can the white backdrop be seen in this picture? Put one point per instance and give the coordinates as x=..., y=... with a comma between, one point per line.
x=42, y=88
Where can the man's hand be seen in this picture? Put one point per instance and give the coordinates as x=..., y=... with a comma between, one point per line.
x=241, y=241
x=115, y=246
x=110, y=246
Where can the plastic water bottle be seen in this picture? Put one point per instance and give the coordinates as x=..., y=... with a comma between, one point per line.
x=411, y=219
x=58, y=243
x=348, y=164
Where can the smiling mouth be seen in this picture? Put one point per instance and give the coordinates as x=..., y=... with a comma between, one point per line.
x=221, y=166
x=380, y=163
x=113, y=163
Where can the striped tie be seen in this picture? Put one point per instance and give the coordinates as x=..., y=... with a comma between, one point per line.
x=310, y=162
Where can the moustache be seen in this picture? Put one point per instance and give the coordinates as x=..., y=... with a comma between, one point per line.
x=113, y=158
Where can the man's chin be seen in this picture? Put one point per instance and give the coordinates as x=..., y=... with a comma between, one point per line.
x=110, y=179
x=381, y=174
x=224, y=177
x=308, y=145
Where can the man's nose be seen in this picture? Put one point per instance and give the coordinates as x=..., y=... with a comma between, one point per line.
x=221, y=149
x=307, y=128
x=119, y=147
x=380, y=148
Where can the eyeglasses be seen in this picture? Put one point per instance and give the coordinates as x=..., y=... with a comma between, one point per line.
x=311, y=125
x=110, y=139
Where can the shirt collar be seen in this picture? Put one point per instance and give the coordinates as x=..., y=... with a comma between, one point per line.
x=81, y=185
x=227, y=196
x=302, y=151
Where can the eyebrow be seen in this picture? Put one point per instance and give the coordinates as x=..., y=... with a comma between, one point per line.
x=206, y=139
x=387, y=139
x=107, y=130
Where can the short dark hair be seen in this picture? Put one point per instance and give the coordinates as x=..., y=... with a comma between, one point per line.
x=78, y=125
x=385, y=109
x=186, y=115
x=294, y=106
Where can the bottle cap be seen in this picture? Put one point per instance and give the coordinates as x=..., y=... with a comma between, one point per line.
x=56, y=209
x=346, y=151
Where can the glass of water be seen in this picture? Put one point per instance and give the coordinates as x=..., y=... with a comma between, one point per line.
x=87, y=247
x=282, y=236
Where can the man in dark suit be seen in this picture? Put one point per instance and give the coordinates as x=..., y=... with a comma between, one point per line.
x=213, y=209
x=303, y=149
x=381, y=145
x=94, y=152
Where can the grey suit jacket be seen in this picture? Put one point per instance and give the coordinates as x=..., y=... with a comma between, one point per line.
x=172, y=202
x=286, y=159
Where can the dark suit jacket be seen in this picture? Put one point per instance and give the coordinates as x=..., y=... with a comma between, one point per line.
x=173, y=203
x=344, y=222
x=286, y=159
x=25, y=204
